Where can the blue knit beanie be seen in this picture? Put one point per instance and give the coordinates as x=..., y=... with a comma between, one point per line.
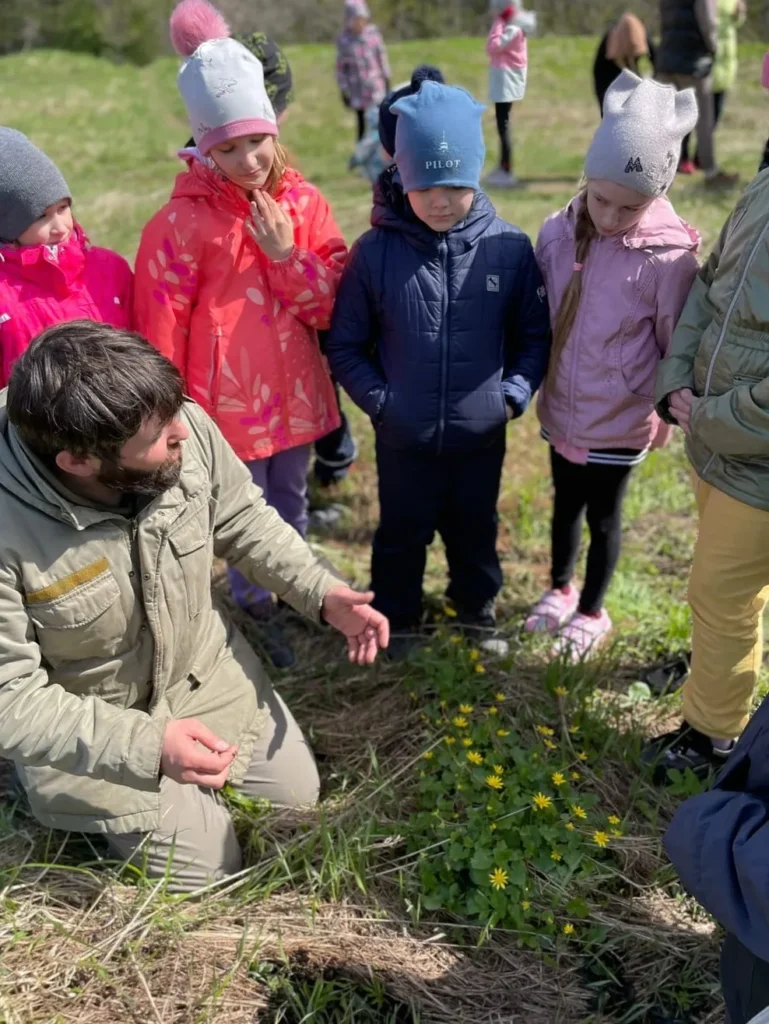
x=388, y=120
x=438, y=138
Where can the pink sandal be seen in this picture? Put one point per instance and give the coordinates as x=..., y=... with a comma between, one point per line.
x=553, y=609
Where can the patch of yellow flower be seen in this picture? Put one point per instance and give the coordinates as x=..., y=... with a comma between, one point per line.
x=573, y=730
x=569, y=826
x=575, y=776
x=474, y=757
x=480, y=669
x=561, y=691
x=601, y=839
x=428, y=755
x=555, y=855
x=456, y=639
x=525, y=905
x=493, y=711
x=617, y=833
x=542, y=802
x=499, y=696
x=550, y=745
x=451, y=740
x=578, y=812
x=466, y=709
x=459, y=721
x=568, y=929
x=493, y=826
x=582, y=755
x=498, y=878
x=466, y=741
x=503, y=732
x=614, y=820
x=498, y=769
x=449, y=612
x=475, y=654
x=494, y=781
x=545, y=730
x=558, y=779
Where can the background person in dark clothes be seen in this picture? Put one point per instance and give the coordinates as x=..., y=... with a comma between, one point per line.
x=625, y=45
x=719, y=844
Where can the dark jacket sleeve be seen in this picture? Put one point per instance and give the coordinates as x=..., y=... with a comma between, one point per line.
x=528, y=335
x=352, y=339
x=719, y=844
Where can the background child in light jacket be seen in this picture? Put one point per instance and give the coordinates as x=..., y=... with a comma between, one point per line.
x=362, y=66
x=508, y=60
x=441, y=335
x=618, y=263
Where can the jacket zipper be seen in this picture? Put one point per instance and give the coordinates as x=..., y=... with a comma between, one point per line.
x=575, y=354
x=724, y=326
x=444, y=251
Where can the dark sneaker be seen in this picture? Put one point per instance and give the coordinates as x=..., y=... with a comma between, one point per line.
x=481, y=628
x=668, y=677
x=685, y=747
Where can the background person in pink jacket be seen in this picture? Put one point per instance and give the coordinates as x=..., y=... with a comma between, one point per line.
x=618, y=263
x=49, y=273
x=362, y=66
x=508, y=60
x=236, y=274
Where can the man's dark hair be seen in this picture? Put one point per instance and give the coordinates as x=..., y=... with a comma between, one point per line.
x=87, y=388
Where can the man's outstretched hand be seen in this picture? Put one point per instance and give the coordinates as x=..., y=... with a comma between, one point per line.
x=366, y=629
x=195, y=756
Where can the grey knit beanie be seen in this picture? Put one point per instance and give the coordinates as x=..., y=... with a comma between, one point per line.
x=639, y=140
x=30, y=182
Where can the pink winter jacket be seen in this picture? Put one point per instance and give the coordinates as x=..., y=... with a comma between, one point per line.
x=633, y=291
x=41, y=286
x=506, y=45
x=242, y=329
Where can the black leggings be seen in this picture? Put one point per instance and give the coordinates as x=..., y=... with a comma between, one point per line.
x=744, y=980
x=598, y=490
x=361, y=123
x=502, y=111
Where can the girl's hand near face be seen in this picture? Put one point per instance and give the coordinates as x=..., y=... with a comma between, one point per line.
x=270, y=227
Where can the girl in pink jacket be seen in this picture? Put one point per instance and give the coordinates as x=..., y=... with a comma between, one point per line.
x=618, y=263
x=508, y=61
x=48, y=271
x=236, y=275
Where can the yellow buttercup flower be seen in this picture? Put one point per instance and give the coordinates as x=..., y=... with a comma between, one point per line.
x=456, y=639
x=568, y=929
x=617, y=832
x=525, y=905
x=578, y=812
x=474, y=757
x=459, y=721
x=558, y=779
x=542, y=802
x=573, y=729
x=493, y=826
x=561, y=691
x=555, y=855
x=499, y=696
x=450, y=740
x=475, y=654
x=569, y=826
x=498, y=769
x=550, y=745
x=582, y=755
x=494, y=781
x=449, y=612
x=480, y=670
x=601, y=839
x=614, y=820
x=575, y=776
x=428, y=755
x=545, y=730
x=466, y=709
x=498, y=878
x=466, y=741
x=503, y=732
x=493, y=710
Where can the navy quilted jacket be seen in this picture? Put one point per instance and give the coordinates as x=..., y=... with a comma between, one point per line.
x=434, y=335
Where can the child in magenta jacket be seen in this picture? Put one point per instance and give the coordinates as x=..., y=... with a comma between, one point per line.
x=49, y=273
x=618, y=263
x=508, y=65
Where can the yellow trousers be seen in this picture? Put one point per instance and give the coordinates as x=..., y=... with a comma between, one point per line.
x=728, y=591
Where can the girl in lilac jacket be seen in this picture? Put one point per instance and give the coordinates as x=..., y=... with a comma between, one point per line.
x=362, y=67
x=618, y=263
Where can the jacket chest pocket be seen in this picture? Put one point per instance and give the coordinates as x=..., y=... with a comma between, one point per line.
x=76, y=621
x=191, y=545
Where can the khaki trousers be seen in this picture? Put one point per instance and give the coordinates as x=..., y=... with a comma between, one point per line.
x=196, y=842
x=728, y=592
x=703, y=88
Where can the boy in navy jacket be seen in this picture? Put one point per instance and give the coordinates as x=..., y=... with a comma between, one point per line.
x=719, y=844
x=441, y=334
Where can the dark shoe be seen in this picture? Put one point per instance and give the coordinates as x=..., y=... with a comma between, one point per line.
x=685, y=747
x=670, y=676
x=481, y=628
x=270, y=636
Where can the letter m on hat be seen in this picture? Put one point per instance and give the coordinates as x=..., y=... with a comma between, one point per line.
x=634, y=164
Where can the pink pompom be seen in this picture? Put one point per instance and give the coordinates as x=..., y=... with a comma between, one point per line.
x=194, y=22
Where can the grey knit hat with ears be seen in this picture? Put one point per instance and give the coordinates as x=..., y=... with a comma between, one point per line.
x=639, y=140
x=30, y=182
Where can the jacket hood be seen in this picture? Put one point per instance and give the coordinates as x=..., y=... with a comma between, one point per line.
x=68, y=258
x=659, y=227
x=392, y=211
x=203, y=179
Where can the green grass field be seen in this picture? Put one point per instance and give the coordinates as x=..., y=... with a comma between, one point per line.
x=377, y=907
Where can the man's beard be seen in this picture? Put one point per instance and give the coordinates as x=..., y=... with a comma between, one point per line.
x=151, y=482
